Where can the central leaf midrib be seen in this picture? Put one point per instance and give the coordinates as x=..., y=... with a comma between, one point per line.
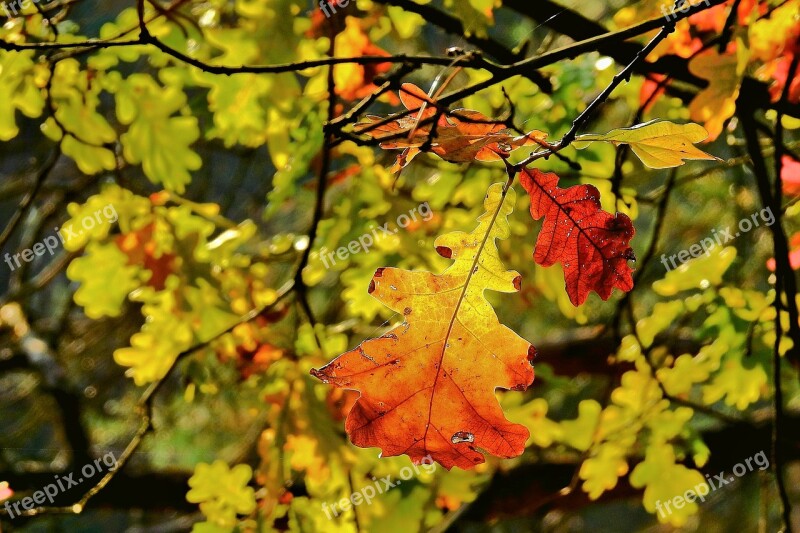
x=461, y=297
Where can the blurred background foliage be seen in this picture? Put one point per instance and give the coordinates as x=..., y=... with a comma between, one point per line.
x=215, y=181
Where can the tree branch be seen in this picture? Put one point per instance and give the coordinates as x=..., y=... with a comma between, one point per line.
x=587, y=31
x=455, y=27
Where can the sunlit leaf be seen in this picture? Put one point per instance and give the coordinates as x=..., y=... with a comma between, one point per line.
x=659, y=144
x=427, y=386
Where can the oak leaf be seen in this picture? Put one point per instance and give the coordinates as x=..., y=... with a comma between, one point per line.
x=142, y=250
x=659, y=144
x=591, y=244
x=428, y=386
x=354, y=81
x=716, y=103
x=457, y=136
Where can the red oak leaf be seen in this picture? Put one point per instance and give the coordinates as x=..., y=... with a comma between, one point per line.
x=591, y=244
x=790, y=176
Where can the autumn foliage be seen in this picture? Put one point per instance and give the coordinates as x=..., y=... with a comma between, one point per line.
x=591, y=244
x=427, y=386
x=346, y=237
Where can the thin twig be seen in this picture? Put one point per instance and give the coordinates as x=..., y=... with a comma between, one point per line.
x=26, y=202
x=583, y=118
x=322, y=183
x=780, y=284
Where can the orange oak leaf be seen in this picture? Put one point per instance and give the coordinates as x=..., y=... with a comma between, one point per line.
x=456, y=136
x=715, y=104
x=354, y=81
x=591, y=244
x=339, y=402
x=141, y=248
x=428, y=386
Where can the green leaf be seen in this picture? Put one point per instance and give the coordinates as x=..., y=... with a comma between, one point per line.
x=665, y=480
x=20, y=80
x=76, y=96
x=156, y=139
x=662, y=317
x=579, y=433
x=602, y=471
x=699, y=273
x=105, y=280
x=164, y=335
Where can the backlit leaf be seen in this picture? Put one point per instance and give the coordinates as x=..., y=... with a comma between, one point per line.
x=458, y=136
x=19, y=90
x=698, y=273
x=156, y=139
x=664, y=479
x=105, y=280
x=427, y=386
x=591, y=244
x=716, y=103
x=659, y=144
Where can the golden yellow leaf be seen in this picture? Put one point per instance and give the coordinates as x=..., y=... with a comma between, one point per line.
x=659, y=144
x=716, y=103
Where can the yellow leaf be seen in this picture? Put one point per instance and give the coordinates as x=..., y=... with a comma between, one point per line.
x=105, y=280
x=222, y=492
x=689, y=369
x=668, y=484
x=579, y=433
x=716, y=103
x=659, y=144
x=739, y=383
x=18, y=91
x=662, y=317
x=601, y=472
x=698, y=273
x=533, y=415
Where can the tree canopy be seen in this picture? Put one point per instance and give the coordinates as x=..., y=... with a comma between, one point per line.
x=400, y=265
